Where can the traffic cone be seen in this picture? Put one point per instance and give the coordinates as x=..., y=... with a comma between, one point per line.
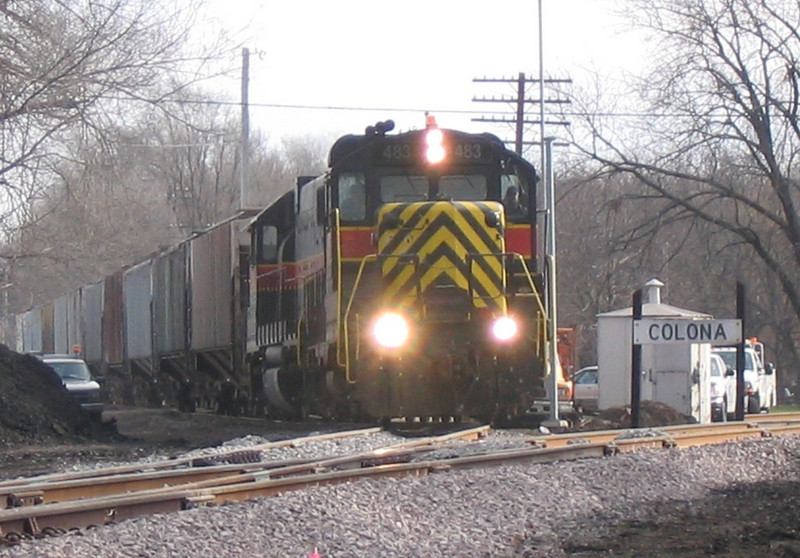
x=315, y=554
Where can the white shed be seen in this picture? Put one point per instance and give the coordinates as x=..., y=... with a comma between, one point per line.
x=674, y=374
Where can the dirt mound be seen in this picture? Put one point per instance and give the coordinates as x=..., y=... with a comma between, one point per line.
x=651, y=413
x=35, y=407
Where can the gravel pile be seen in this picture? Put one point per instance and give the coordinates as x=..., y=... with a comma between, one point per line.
x=538, y=510
x=35, y=407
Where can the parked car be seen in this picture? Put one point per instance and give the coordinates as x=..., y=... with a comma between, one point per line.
x=584, y=385
x=723, y=389
x=78, y=381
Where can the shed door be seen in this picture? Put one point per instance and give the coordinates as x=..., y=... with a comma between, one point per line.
x=673, y=388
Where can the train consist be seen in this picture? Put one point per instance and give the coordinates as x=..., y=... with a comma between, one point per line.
x=401, y=283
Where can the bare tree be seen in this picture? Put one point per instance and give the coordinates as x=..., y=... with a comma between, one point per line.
x=718, y=140
x=70, y=68
x=196, y=160
x=144, y=188
x=192, y=161
x=102, y=214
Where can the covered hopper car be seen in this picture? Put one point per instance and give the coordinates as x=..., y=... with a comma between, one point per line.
x=403, y=282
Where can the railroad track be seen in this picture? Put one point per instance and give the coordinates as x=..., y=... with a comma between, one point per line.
x=54, y=504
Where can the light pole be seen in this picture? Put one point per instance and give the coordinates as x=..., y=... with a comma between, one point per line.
x=548, y=187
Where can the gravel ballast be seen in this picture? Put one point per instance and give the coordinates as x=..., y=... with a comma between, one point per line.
x=519, y=510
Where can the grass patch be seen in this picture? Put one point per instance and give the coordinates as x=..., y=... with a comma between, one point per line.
x=785, y=409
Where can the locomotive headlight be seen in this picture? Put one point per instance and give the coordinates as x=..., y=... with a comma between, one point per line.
x=391, y=330
x=505, y=328
x=434, y=152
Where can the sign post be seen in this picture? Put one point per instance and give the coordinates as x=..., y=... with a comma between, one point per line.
x=636, y=363
x=739, y=409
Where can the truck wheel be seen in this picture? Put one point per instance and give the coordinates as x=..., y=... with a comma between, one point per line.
x=754, y=404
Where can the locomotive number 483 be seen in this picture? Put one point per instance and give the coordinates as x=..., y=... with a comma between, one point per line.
x=403, y=152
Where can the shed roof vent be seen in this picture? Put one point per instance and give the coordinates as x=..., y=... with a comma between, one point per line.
x=652, y=291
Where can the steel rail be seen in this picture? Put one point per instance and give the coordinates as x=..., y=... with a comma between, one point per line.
x=775, y=417
x=166, y=464
x=71, y=503
x=56, y=517
x=56, y=489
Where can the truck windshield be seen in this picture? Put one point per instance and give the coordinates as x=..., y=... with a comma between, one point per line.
x=71, y=370
x=730, y=360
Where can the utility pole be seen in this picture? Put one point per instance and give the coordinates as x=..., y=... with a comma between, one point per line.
x=244, y=158
x=520, y=102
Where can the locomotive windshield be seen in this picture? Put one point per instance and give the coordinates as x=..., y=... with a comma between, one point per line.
x=407, y=188
x=465, y=187
x=403, y=189
x=418, y=188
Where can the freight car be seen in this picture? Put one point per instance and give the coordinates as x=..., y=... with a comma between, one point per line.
x=401, y=283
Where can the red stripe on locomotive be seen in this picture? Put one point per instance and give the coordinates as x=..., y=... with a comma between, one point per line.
x=519, y=240
x=270, y=277
x=357, y=242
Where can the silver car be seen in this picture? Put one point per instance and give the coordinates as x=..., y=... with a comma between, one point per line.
x=584, y=386
x=78, y=381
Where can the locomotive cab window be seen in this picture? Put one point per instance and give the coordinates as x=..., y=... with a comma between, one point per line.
x=352, y=196
x=322, y=208
x=268, y=246
x=514, y=193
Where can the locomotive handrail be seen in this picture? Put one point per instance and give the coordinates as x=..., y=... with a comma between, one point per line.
x=472, y=293
x=346, y=316
x=282, y=270
x=338, y=228
x=345, y=361
x=299, y=352
x=537, y=298
x=528, y=276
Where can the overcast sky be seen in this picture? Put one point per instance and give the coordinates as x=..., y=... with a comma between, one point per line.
x=404, y=57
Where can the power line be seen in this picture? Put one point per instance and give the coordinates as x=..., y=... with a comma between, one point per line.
x=408, y=109
x=287, y=106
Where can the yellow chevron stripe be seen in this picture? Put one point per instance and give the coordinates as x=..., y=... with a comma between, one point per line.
x=404, y=279
x=442, y=227
x=432, y=213
x=475, y=243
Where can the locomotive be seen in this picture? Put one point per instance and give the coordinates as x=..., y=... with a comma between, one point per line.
x=399, y=284
x=403, y=282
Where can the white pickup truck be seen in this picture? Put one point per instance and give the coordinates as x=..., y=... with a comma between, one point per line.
x=760, y=389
